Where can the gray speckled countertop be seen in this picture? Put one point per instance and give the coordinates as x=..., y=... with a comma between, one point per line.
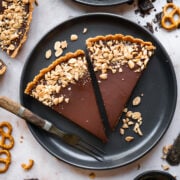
x=46, y=16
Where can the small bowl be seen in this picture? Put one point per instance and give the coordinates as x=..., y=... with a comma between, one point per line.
x=155, y=175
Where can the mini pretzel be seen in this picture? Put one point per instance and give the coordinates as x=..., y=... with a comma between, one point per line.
x=5, y=160
x=6, y=140
x=29, y=165
x=168, y=20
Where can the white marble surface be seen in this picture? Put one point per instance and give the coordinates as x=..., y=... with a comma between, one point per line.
x=46, y=16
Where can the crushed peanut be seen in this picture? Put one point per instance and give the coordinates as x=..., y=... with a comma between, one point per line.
x=121, y=130
x=136, y=115
x=74, y=37
x=131, y=119
x=64, y=44
x=48, y=54
x=57, y=45
x=103, y=76
x=129, y=138
x=58, y=52
x=136, y=101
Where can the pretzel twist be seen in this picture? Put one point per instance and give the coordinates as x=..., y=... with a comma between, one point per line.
x=5, y=160
x=6, y=140
x=168, y=21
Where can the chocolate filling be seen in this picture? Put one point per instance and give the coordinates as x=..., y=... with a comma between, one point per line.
x=82, y=108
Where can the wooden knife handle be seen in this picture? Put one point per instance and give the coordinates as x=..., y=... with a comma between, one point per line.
x=24, y=113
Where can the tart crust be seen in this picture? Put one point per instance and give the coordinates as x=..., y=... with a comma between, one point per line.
x=122, y=37
x=36, y=79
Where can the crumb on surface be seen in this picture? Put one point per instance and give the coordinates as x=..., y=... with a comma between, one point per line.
x=165, y=167
x=92, y=175
x=85, y=30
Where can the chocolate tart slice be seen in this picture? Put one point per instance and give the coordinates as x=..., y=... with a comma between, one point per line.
x=118, y=62
x=66, y=87
x=15, y=19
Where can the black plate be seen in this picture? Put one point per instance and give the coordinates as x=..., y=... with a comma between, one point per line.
x=158, y=84
x=103, y=2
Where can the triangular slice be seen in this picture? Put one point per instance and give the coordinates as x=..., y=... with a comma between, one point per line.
x=118, y=62
x=66, y=87
x=15, y=19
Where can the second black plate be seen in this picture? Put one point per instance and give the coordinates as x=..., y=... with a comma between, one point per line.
x=158, y=84
x=103, y=2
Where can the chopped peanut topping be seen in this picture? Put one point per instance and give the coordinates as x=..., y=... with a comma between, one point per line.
x=61, y=76
x=112, y=54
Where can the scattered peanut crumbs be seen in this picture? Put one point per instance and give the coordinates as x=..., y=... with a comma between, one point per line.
x=59, y=46
x=132, y=119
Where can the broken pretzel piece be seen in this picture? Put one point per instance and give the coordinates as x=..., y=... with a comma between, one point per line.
x=28, y=166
